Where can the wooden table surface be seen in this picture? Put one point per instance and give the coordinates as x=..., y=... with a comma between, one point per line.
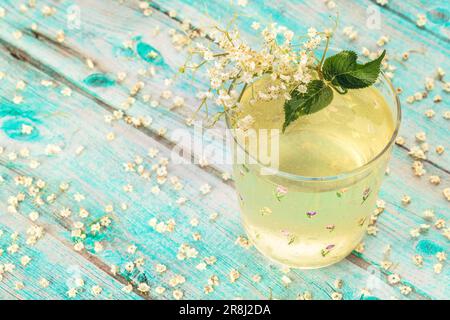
x=60, y=86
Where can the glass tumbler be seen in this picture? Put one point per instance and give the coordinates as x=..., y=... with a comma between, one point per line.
x=311, y=222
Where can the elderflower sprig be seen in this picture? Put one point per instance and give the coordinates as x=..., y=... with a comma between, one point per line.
x=305, y=82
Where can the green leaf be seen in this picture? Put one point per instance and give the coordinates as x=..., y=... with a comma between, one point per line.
x=317, y=96
x=342, y=70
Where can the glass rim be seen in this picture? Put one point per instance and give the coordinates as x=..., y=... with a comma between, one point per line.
x=346, y=174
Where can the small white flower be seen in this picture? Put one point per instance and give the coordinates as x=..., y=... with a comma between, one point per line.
x=177, y=294
x=421, y=20
x=256, y=25
x=33, y=216
x=96, y=290
x=25, y=260
x=205, y=189
x=72, y=293
x=52, y=149
x=143, y=287
x=26, y=129
x=67, y=92
x=286, y=280
x=44, y=283
x=336, y=296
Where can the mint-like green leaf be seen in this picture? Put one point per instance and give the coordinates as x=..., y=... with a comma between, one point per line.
x=342, y=70
x=317, y=96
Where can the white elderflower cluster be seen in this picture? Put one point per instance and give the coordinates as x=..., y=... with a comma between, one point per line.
x=232, y=65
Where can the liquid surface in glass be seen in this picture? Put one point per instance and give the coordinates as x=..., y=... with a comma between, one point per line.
x=314, y=224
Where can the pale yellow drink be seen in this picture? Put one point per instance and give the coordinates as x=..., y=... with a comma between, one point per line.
x=304, y=217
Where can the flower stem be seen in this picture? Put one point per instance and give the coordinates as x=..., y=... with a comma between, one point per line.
x=319, y=67
x=242, y=92
x=339, y=89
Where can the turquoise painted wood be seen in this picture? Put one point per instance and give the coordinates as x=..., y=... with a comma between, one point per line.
x=78, y=119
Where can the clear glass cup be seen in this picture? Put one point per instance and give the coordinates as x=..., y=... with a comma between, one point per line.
x=331, y=212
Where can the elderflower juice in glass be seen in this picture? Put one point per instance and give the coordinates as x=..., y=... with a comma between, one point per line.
x=314, y=210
